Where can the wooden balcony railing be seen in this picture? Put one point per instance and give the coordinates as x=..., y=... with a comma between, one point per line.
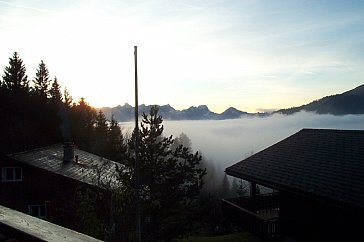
x=264, y=223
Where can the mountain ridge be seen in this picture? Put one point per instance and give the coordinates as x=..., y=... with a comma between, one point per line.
x=349, y=102
x=202, y=112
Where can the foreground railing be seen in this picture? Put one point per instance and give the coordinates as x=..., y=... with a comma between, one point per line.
x=239, y=211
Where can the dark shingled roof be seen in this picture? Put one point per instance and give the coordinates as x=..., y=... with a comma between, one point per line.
x=50, y=158
x=320, y=163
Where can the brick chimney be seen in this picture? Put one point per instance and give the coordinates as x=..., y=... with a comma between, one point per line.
x=68, y=152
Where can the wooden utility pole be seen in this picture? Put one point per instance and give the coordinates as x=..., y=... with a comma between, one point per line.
x=136, y=168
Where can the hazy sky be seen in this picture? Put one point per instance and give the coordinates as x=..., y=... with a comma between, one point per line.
x=248, y=54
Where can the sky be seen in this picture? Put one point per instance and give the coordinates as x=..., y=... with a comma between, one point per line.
x=249, y=54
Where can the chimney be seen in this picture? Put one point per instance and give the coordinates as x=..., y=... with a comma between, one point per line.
x=68, y=152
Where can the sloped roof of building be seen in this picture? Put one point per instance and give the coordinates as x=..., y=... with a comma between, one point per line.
x=39, y=229
x=320, y=163
x=85, y=170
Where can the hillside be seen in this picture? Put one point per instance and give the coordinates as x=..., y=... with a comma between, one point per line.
x=350, y=102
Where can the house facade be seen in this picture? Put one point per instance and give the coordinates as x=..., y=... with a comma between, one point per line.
x=318, y=176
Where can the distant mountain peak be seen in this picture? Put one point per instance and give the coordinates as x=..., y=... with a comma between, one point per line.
x=202, y=107
x=233, y=113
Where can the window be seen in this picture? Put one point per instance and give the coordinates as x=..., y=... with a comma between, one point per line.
x=11, y=174
x=39, y=210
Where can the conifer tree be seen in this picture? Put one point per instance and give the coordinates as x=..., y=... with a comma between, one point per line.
x=100, y=138
x=83, y=118
x=184, y=140
x=67, y=98
x=225, y=187
x=42, y=81
x=170, y=179
x=55, y=92
x=15, y=78
x=116, y=145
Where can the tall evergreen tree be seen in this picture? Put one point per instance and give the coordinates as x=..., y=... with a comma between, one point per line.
x=83, y=118
x=116, y=146
x=67, y=98
x=170, y=179
x=42, y=81
x=15, y=78
x=100, y=138
x=55, y=92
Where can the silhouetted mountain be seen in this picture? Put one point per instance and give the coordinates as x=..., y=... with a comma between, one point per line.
x=197, y=113
x=232, y=113
x=350, y=102
x=202, y=112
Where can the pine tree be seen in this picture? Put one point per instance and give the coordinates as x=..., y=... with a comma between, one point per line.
x=15, y=78
x=83, y=119
x=184, y=140
x=67, y=98
x=116, y=145
x=100, y=138
x=170, y=179
x=55, y=92
x=42, y=81
x=225, y=187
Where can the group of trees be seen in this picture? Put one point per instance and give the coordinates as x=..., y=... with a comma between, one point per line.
x=29, y=109
x=36, y=113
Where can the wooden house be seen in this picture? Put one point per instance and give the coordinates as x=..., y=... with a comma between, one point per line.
x=45, y=182
x=318, y=176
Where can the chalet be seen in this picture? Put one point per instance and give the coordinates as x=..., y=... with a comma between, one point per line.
x=45, y=182
x=318, y=176
x=17, y=226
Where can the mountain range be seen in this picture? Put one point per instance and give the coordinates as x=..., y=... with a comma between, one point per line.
x=202, y=112
x=350, y=102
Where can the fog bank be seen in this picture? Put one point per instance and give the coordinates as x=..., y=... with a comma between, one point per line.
x=226, y=142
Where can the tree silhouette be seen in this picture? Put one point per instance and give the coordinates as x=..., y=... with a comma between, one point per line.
x=83, y=118
x=67, y=98
x=170, y=179
x=225, y=187
x=116, y=143
x=42, y=81
x=184, y=140
x=22, y=127
x=100, y=139
x=55, y=93
x=15, y=78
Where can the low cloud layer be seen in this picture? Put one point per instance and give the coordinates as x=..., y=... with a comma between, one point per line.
x=226, y=142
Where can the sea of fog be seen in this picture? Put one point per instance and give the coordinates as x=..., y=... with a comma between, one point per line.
x=225, y=142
